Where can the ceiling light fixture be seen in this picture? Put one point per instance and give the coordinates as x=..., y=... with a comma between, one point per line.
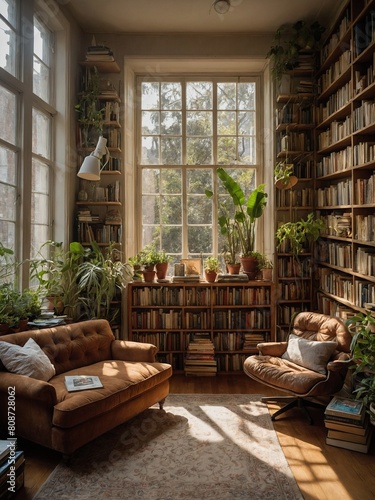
x=221, y=6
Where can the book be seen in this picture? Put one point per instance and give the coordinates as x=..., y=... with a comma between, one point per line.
x=4, y=450
x=358, y=430
x=345, y=420
x=347, y=436
x=344, y=407
x=82, y=382
x=360, y=447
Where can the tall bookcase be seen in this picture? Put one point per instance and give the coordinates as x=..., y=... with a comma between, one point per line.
x=236, y=316
x=295, y=123
x=345, y=170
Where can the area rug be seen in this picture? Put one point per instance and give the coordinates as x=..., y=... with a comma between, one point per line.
x=199, y=447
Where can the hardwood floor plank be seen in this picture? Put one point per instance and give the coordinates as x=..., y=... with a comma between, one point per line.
x=323, y=472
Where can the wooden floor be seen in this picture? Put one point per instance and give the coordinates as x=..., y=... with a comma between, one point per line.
x=322, y=471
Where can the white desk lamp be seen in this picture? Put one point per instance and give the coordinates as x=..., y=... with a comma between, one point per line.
x=91, y=166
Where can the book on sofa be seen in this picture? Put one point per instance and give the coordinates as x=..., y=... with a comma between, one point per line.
x=82, y=382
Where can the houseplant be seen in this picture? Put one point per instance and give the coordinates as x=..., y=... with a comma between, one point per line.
x=289, y=41
x=245, y=217
x=284, y=178
x=362, y=327
x=299, y=235
x=265, y=265
x=211, y=268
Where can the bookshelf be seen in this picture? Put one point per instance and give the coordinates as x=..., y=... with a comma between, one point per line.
x=295, y=124
x=345, y=169
x=235, y=316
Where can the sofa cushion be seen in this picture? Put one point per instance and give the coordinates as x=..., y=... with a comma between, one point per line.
x=122, y=381
x=310, y=354
x=27, y=360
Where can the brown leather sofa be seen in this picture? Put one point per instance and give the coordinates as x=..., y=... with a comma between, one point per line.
x=47, y=414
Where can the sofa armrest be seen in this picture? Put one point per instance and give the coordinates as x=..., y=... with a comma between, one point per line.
x=28, y=388
x=276, y=349
x=127, y=350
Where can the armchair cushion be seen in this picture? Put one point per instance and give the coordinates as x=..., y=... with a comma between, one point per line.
x=27, y=360
x=311, y=354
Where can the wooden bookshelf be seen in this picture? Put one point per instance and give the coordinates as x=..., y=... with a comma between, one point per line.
x=345, y=171
x=237, y=316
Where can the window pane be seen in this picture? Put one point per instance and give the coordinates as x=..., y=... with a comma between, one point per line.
x=200, y=240
x=199, y=95
x=42, y=57
x=8, y=197
x=7, y=234
x=8, y=36
x=246, y=150
x=199, y=180
x=8, y=115
x=150, y=122
x=226, y=122
x=171, y=240
x=171, y=210
x=171, y=153
x=171, y=95
x=199, y=210
x=150, y=95
x=199, y=151
x=171, y=122
x=40, y=177
x=226, y=96
x=171, y=181
x=246, y=123
x=226, y=150
x=150, y=180
x=39, y=235
x=246, y=96
x=7, y=166
x=198, y=123
x=150, y=150
x=41, y=134
x=151, y=209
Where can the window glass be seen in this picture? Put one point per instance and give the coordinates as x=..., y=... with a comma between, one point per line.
x=8, y=121
x=8, y=36
x=41, y=63
x=189, y=128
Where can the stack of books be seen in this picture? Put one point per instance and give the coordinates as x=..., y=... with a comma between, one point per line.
x=189, y=278
x=200, y=358
x=228, y=278
x=12, y=464
x=99, y=53
x=348, y=425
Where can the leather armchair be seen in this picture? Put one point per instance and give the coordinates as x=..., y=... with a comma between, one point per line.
x=276, y=367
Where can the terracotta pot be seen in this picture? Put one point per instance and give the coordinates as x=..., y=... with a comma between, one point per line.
x=267, y=274
x=210, y=276
x=148, y=276
x=249, y=266
x=161, y=270
x=233, y=268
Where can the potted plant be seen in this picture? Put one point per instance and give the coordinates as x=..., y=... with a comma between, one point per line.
x=246, y=214
x=289, y=42
x=284, y=178
x=100, y=276
x=162, y=263
x=299, y=235
x=211, y=268
x=362, y=327
x=265, y=265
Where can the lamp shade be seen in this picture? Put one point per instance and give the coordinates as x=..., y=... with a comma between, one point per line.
x=222, y=6
x=90, y=168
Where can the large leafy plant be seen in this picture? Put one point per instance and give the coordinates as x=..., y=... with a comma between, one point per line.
x=246, y=211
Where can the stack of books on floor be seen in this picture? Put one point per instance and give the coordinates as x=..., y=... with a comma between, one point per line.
x=200, y=358
x=12, y=464
x=348, y=425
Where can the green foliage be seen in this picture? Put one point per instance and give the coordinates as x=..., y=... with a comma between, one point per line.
x=150, y=255
x=211, y=264
x=264, y=262
x=289, y=41
x=300, y=234
x=246, y=212
x=362, y=327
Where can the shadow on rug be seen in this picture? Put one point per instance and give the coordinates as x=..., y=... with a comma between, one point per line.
x=219, y=447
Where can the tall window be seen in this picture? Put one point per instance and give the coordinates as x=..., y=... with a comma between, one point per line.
x=188, y=128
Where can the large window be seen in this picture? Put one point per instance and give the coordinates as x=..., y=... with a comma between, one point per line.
x=27, y=161
x=188, y=128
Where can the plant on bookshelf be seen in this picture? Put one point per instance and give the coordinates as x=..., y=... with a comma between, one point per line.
x=300, y=234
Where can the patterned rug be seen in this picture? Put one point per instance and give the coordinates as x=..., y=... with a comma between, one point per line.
x=219, y=447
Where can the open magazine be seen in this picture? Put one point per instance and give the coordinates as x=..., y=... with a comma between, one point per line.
x=82, y=382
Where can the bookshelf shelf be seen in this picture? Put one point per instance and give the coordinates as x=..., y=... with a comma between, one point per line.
x=169, y=314
x=347, y=262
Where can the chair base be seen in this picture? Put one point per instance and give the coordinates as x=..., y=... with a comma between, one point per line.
x=293, y=402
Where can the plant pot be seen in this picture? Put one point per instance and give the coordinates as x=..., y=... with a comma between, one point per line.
x=292, y=181
x=233, y=268
x=148, y=276
x=267, y=274
x=161, y=270
x=210, y=276
x=249, y=266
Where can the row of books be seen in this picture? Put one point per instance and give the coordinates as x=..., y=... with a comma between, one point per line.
x=337, y=161
x=200, y=356
x=337, y=194
x=348, y=425
x=337, y=224
x=335, y=102
x=338, y=130
x=335, y=71
x=336, y=37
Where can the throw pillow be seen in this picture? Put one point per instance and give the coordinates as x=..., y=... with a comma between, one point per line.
x=27, y=360
x=311, y=354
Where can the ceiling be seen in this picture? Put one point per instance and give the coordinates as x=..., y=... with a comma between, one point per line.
x=197, y=16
